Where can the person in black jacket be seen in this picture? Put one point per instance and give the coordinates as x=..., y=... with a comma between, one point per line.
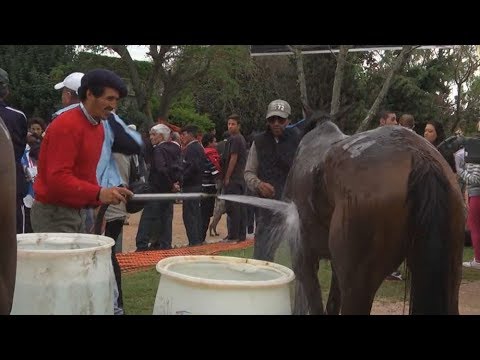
x=16, y=123
x=194, y=160
x=269, y=161
x=165, y=176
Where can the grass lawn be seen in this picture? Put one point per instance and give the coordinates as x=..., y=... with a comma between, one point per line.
x=140, y=288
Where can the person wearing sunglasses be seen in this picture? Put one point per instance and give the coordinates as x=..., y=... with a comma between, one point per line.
x=269, y=161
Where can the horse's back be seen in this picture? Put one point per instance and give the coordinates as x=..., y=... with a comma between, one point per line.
x=379, y=161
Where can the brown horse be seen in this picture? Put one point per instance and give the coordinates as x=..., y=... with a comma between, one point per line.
x=368, y=202
x=8, y=240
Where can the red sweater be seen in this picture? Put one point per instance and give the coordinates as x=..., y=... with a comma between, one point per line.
x=67, y=164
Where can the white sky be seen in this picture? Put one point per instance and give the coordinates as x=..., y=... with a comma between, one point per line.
x=138, y=52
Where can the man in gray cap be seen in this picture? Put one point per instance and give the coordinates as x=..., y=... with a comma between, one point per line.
x=16, y=123
x=268, y=164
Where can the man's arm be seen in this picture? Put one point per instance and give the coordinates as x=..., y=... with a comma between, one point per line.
x=231, y=166
x=253, y=182
x=251, y=167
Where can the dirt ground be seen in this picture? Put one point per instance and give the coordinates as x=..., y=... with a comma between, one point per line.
x=469, y=302
x=469, y=292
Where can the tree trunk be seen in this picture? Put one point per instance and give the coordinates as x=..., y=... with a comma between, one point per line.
x=140, y=94
x=458, y=108
x=165, y=102
x=300, y=75
x=397, y=65
x=337, y=83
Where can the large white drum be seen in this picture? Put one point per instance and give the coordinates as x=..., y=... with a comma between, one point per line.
x=221, y=285
x=61, y=273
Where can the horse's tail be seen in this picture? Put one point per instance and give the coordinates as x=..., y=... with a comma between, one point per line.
x=431, y=234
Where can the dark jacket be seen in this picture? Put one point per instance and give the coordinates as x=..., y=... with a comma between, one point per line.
x=16, y=123
x=275, y=159
x=194, y=160
x=166, y=167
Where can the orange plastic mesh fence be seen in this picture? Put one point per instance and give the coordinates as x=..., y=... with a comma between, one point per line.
x=138, y=260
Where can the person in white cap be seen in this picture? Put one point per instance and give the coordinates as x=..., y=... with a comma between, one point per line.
x=69, y=88
x=269, y=161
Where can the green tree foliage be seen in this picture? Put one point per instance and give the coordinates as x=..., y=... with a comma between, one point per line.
x=421, y=89
x=128, y=109
x=183, y=113
x=33, y=71
x=237, y=83
x=472, y=110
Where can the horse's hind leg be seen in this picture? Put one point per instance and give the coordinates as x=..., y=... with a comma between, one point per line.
x=334, y=296
x=308, y=295
x=354, y=264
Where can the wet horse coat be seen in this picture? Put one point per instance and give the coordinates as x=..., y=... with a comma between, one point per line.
x=367, y=203
x=8, y=241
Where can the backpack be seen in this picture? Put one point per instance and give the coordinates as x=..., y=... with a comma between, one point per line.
x=472, y=150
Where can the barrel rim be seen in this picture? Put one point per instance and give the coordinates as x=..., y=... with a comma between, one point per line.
x=36, y=237
x=287, y=274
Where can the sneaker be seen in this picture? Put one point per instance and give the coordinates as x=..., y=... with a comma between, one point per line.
x=396, y=275
x=472, y=264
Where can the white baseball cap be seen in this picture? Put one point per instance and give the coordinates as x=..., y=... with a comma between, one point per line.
x=71, y=82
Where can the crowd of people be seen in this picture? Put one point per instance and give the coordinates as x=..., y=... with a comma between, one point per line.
x=75, y=172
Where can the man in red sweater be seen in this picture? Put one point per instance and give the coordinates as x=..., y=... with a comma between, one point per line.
x=66, y=181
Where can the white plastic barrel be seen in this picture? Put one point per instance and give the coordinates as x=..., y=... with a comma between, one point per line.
x=222, y=285
x=61, y=273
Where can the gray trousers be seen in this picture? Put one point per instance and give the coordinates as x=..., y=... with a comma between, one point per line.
x=52, y=218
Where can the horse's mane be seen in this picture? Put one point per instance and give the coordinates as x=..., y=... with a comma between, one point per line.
x=317, y=117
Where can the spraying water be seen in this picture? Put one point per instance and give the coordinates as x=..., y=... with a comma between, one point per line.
x=284, y=230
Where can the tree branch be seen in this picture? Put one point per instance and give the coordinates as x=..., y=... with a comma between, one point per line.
x=397, y=65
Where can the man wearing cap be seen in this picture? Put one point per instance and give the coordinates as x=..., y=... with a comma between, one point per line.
x=269, y=161
x=69, y=87
x=16, y=123
x=67, y=168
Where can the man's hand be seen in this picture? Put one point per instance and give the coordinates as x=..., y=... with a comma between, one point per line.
x=176, y=187
x=266, y=190
x=226, y=181
x=114, y=195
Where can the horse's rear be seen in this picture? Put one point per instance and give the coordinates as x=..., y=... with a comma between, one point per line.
x=8, y=242
x=376, y=199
